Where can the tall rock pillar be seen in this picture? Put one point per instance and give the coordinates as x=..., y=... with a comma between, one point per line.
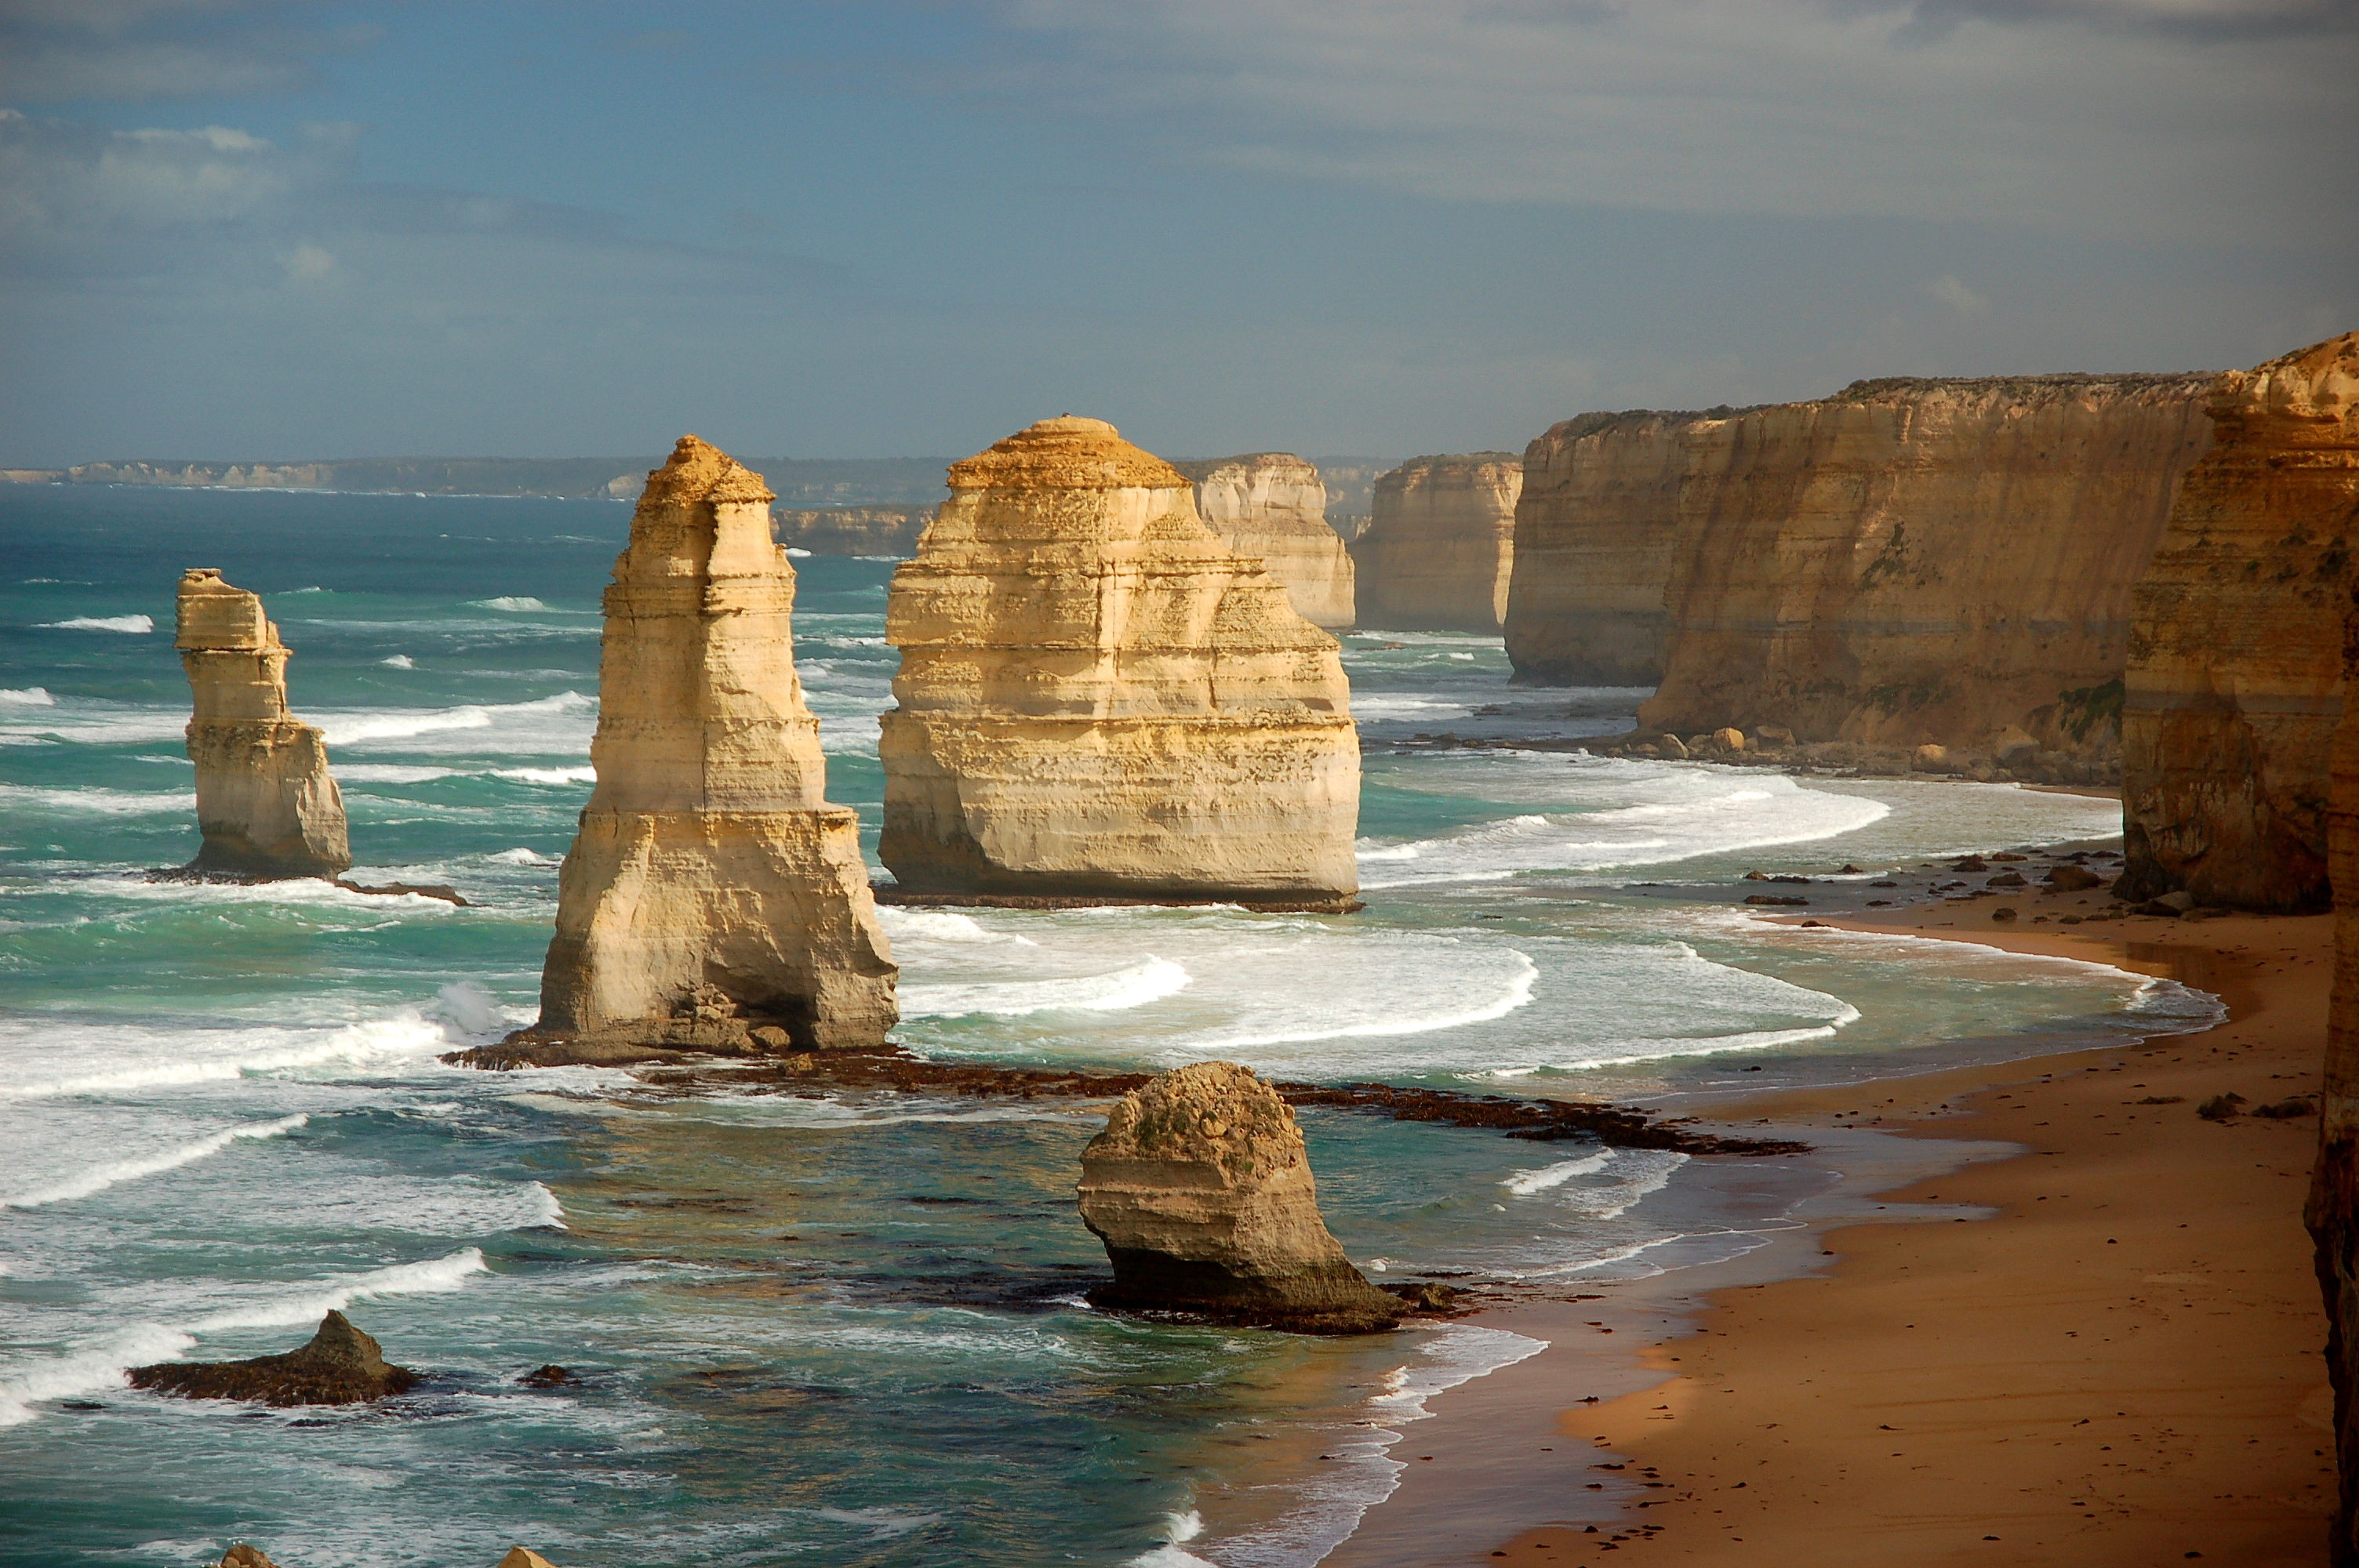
x=712, y=894
x=1098, y=698
x=267, y=805
x=1273, y=506
x=1440, y=544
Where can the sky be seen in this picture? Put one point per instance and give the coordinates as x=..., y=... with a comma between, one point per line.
x=270, y=229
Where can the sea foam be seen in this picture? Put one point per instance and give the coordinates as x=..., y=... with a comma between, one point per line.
x=98, y=1178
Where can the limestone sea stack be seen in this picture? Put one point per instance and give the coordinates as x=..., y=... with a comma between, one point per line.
x=1440, y=544
x=1912, y=562
x=267, y=805
x=1098, y=698
x=339, y=1366
x=2235, y=679
x=1273, y=506
x=713, y=899
x=1595, y=527
x=1200, y=1188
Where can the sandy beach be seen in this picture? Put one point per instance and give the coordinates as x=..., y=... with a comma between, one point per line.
x=2100, y=1345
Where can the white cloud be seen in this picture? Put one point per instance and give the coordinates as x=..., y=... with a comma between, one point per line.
x=308, y=265
x=1957, y=295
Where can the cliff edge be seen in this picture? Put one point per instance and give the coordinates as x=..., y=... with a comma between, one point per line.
x=1441, y=543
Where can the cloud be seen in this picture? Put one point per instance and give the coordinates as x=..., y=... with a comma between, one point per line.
x=1957, y=295
x=56, y=51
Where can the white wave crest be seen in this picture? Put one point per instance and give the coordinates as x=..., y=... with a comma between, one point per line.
x=1524, y=1183
x=398, y=662
x=105, y=802
x=509, y=601
x=99, y=1177
x=211, y=1056
x=137, y=625
x=352, y=729
x=1133, y=986
x=1517, y=993
x=941, y=925
x=26, y=697
x=523, y=857
x=548, y=775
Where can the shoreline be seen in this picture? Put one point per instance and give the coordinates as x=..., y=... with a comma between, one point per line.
x=1891, y=1439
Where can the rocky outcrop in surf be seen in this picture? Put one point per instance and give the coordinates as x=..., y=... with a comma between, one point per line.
x=267, y=805
x=339, y=1366
x=853, y=530
x=1440, y=544
x=1200, y=1188
x=1924, y=562
x=2235, y=679
x=1273, y=506
x=1594, y=529
x=1099, y=700
x=714, y=899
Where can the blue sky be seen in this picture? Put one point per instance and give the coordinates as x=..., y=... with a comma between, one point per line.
x=231, y=228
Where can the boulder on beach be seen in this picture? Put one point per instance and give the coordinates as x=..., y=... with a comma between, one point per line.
x=1200, y=1188
x=340, y=1366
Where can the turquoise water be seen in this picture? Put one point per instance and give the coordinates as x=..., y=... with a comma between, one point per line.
x=815, y=1330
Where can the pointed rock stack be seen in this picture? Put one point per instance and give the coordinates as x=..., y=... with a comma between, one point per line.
x=1200, y=1188
x=267, y=805
x=2235, y=678
x=712, y=900
x=1099, y=700
x=339, y=1366
x=1440, y=544
x=1273, y=506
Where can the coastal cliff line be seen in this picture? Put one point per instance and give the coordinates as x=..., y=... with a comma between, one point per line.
x=1098, y=698
x=1915, y=562
x=2235, y=679
x=1441, y=543
x=1273, y=506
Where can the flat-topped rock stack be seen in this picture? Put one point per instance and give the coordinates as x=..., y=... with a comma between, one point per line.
x=714, y=899
x=267, y=805
x=1200, y=1188
x=1100, y=699
x=1440, y=544
x=1273, y=506
x=2237, y=678
x=1943, y=562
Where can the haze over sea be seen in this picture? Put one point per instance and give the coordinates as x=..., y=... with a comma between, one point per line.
x=824, y=1329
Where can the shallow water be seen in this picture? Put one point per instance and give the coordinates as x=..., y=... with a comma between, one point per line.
x=839, y=1329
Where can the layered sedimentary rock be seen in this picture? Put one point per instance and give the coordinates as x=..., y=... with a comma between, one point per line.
x=1273, y=506
x=1200, y=1188
x=2236, y=676
x=267, y=805
x=1441, y=543
x=339, y=1366
x=853, y=530
x=713, y=899
x=1098, y=698
x=1595, y=527
x=2332, y=1212
x=1923, y=562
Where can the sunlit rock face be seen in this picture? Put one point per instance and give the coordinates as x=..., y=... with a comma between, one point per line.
x=1440, y=544
x=1200, y=1188
x=713, y=895
x=2235, y=674
x=1594, y=528
x=1924, y=562
x=1099, y=699
x=267, y=805
x=1273, y=506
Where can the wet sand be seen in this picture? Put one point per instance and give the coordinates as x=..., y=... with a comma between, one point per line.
x=2115, y=1362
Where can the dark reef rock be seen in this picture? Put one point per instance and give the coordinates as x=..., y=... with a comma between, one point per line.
x=340, y=1365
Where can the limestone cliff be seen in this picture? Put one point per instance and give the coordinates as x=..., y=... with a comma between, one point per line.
x=2235, y=679
x=1595, y=527
x=1915, y=562
x=713, y=899
x=1440, y=544
x=1099, y=699
x=853, y=530
x=1200, y=1188
x=1273, y=506
x=267, y=805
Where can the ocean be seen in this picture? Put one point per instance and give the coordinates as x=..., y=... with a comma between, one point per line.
x=836, y=1329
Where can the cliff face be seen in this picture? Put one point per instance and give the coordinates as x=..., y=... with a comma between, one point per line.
x=1200, y=1188
x=2332, y=1211
x=713, y=895
x=267, y=805
x=1098, y=698
x=853, y=530
x=1273, y=506
x=1595, y=527
x=1440, y=544
x=2235, y=681
x=1922, y=561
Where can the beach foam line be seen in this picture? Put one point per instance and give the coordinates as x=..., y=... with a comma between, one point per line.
x=135, y=625
x=1519, y=993
x=1714, y=1045
x=1133, y=986
x=106, y=1363
x=407, y=1034
x=99, y=1177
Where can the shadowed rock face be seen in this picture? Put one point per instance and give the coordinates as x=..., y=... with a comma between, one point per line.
x=1098, y=698
x=1914, y=562
x=711, y=891
x=267, y=805
x=1440, y=544
x=340, y=1365
x=2235, y=679
x=1273, y=507
x=1201, y=1191
x=2332, y=1212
